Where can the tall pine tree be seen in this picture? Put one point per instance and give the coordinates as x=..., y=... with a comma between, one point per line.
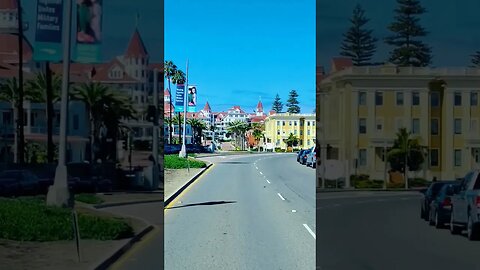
x=277, y=105
x=408, y=50
x=358, y=43
x=292, y=102
x=476, y=59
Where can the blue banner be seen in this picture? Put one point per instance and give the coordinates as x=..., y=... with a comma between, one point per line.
x=180, y=98
x=48, y=34
x=88, y=34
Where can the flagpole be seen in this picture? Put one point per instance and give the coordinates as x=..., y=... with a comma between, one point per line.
x=183, y=152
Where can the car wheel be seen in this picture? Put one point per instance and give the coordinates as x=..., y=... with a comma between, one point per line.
x=472, y=230
x=454, y=229
x=438, y=224
x=431, y=219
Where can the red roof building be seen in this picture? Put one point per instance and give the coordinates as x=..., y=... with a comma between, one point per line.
x=8, y=4
x=341, y=63
x=136, y=47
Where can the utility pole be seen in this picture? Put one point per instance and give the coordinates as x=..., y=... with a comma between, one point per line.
x=20, y=116
x=155, y=172
x=58, y=194
x=183, y=152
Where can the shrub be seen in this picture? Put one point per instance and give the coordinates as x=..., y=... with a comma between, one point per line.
x=176, y=162
x=88, y=198
x=31, y=220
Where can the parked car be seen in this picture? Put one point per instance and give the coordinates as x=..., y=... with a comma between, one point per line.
x=430, y=195
x=303, y=158
x=18, y=182
x=172, y=149
x=312, y=158
x=89, y=178
x=466, y=207
x=441, y=206
x=300, y=153
x=46, y=179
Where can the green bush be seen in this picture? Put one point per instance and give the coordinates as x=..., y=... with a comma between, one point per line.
x=88, y=198
x=418, y=182
x=31, y=220
x=175, y=162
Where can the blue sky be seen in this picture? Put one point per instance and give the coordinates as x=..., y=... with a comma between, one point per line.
x=453, y=26
x=239, y=51
x=119, y=19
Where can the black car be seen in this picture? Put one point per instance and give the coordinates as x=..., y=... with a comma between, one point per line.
x=441, y=206
x=89, y=178
x=47, y=177
x=303, y=157
x=300, y=153
x=430, y=195
x=18, y=182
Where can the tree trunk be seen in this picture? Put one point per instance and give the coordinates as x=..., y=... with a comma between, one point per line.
x=21, y=135
x=49, y=103
x=170, y=124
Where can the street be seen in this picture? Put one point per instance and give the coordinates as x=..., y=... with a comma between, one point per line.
x=380, y=230
x=246, y=212
x=148, y=253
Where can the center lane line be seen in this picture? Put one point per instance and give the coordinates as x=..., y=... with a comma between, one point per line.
x=280, y=195
x=310, y=231
x=268, y=181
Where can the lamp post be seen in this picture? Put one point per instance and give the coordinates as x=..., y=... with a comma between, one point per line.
x=385, y=163
x=58, y=194
x=183, y=151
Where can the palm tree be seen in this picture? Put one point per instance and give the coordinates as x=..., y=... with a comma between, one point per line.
x=170, y=70
x=47, y=92
x=406, y=151
x=9, y=92
x=292, y=140
x=238, y=129
x=96, y=97
x=178, y=119
x=257, y=135
x=198, y=127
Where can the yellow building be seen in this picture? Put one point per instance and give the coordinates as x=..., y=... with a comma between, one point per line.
x=278, y=127
x=362, y=108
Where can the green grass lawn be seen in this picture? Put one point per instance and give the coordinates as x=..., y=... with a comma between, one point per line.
x=29, y=219
x=175, y=162
x=88, y=198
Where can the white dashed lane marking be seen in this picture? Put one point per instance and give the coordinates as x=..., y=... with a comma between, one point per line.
x=281, y=197
x=310, y=231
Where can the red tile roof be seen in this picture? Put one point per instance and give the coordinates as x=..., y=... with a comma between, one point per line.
x=9, y=49
x=166, y=93
x=340, y=63
x=136, y=47
x=81, y=72
x=8, y=4
x=207, y=107
x=158, y=66
x=258, y=119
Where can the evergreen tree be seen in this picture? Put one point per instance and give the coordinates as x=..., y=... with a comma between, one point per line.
x=277, y=105
x=476, y=59
x=358, y=43
x=408, y=49
x=292, y=102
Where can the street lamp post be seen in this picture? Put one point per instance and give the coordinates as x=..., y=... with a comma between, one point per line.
x=58, y=194
x=183, y=152
x=385, y=163
x=155, y=169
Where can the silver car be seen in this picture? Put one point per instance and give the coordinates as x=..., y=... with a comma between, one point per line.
x=312, y=157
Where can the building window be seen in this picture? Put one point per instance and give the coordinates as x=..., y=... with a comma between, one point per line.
x=362, y=98
x=283, y=123
x=308, y=132
x=362, y=126
x=290, y=123
x=433, y=157
x=7, y=118
x=295, y=132
x=362, y=157
x=458, y=158
x=399, y=99
x=458, y=125
x=458, y=99
x=295, y=123
x=434, y=99
x=379, y=124
x=473, y=125
x=416, y=126
x=278, y=132
x=415, y=98
x=308, y=123
x=75, y=122
x=378, y=98
x=434, y=126
x=473, y=99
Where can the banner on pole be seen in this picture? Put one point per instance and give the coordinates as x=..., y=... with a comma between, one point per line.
x=48, y=34
x=88, y=34
x=192, y=98
x=180, y=98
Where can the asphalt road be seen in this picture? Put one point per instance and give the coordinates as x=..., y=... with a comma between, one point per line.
x=148, y=253
x=377, y=231
x=246, y=212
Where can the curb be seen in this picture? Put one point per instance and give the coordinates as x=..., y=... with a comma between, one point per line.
x=181, y=189
x=106, y=205
x=115, y=256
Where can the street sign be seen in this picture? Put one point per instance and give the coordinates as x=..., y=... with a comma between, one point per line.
x=48, y=34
